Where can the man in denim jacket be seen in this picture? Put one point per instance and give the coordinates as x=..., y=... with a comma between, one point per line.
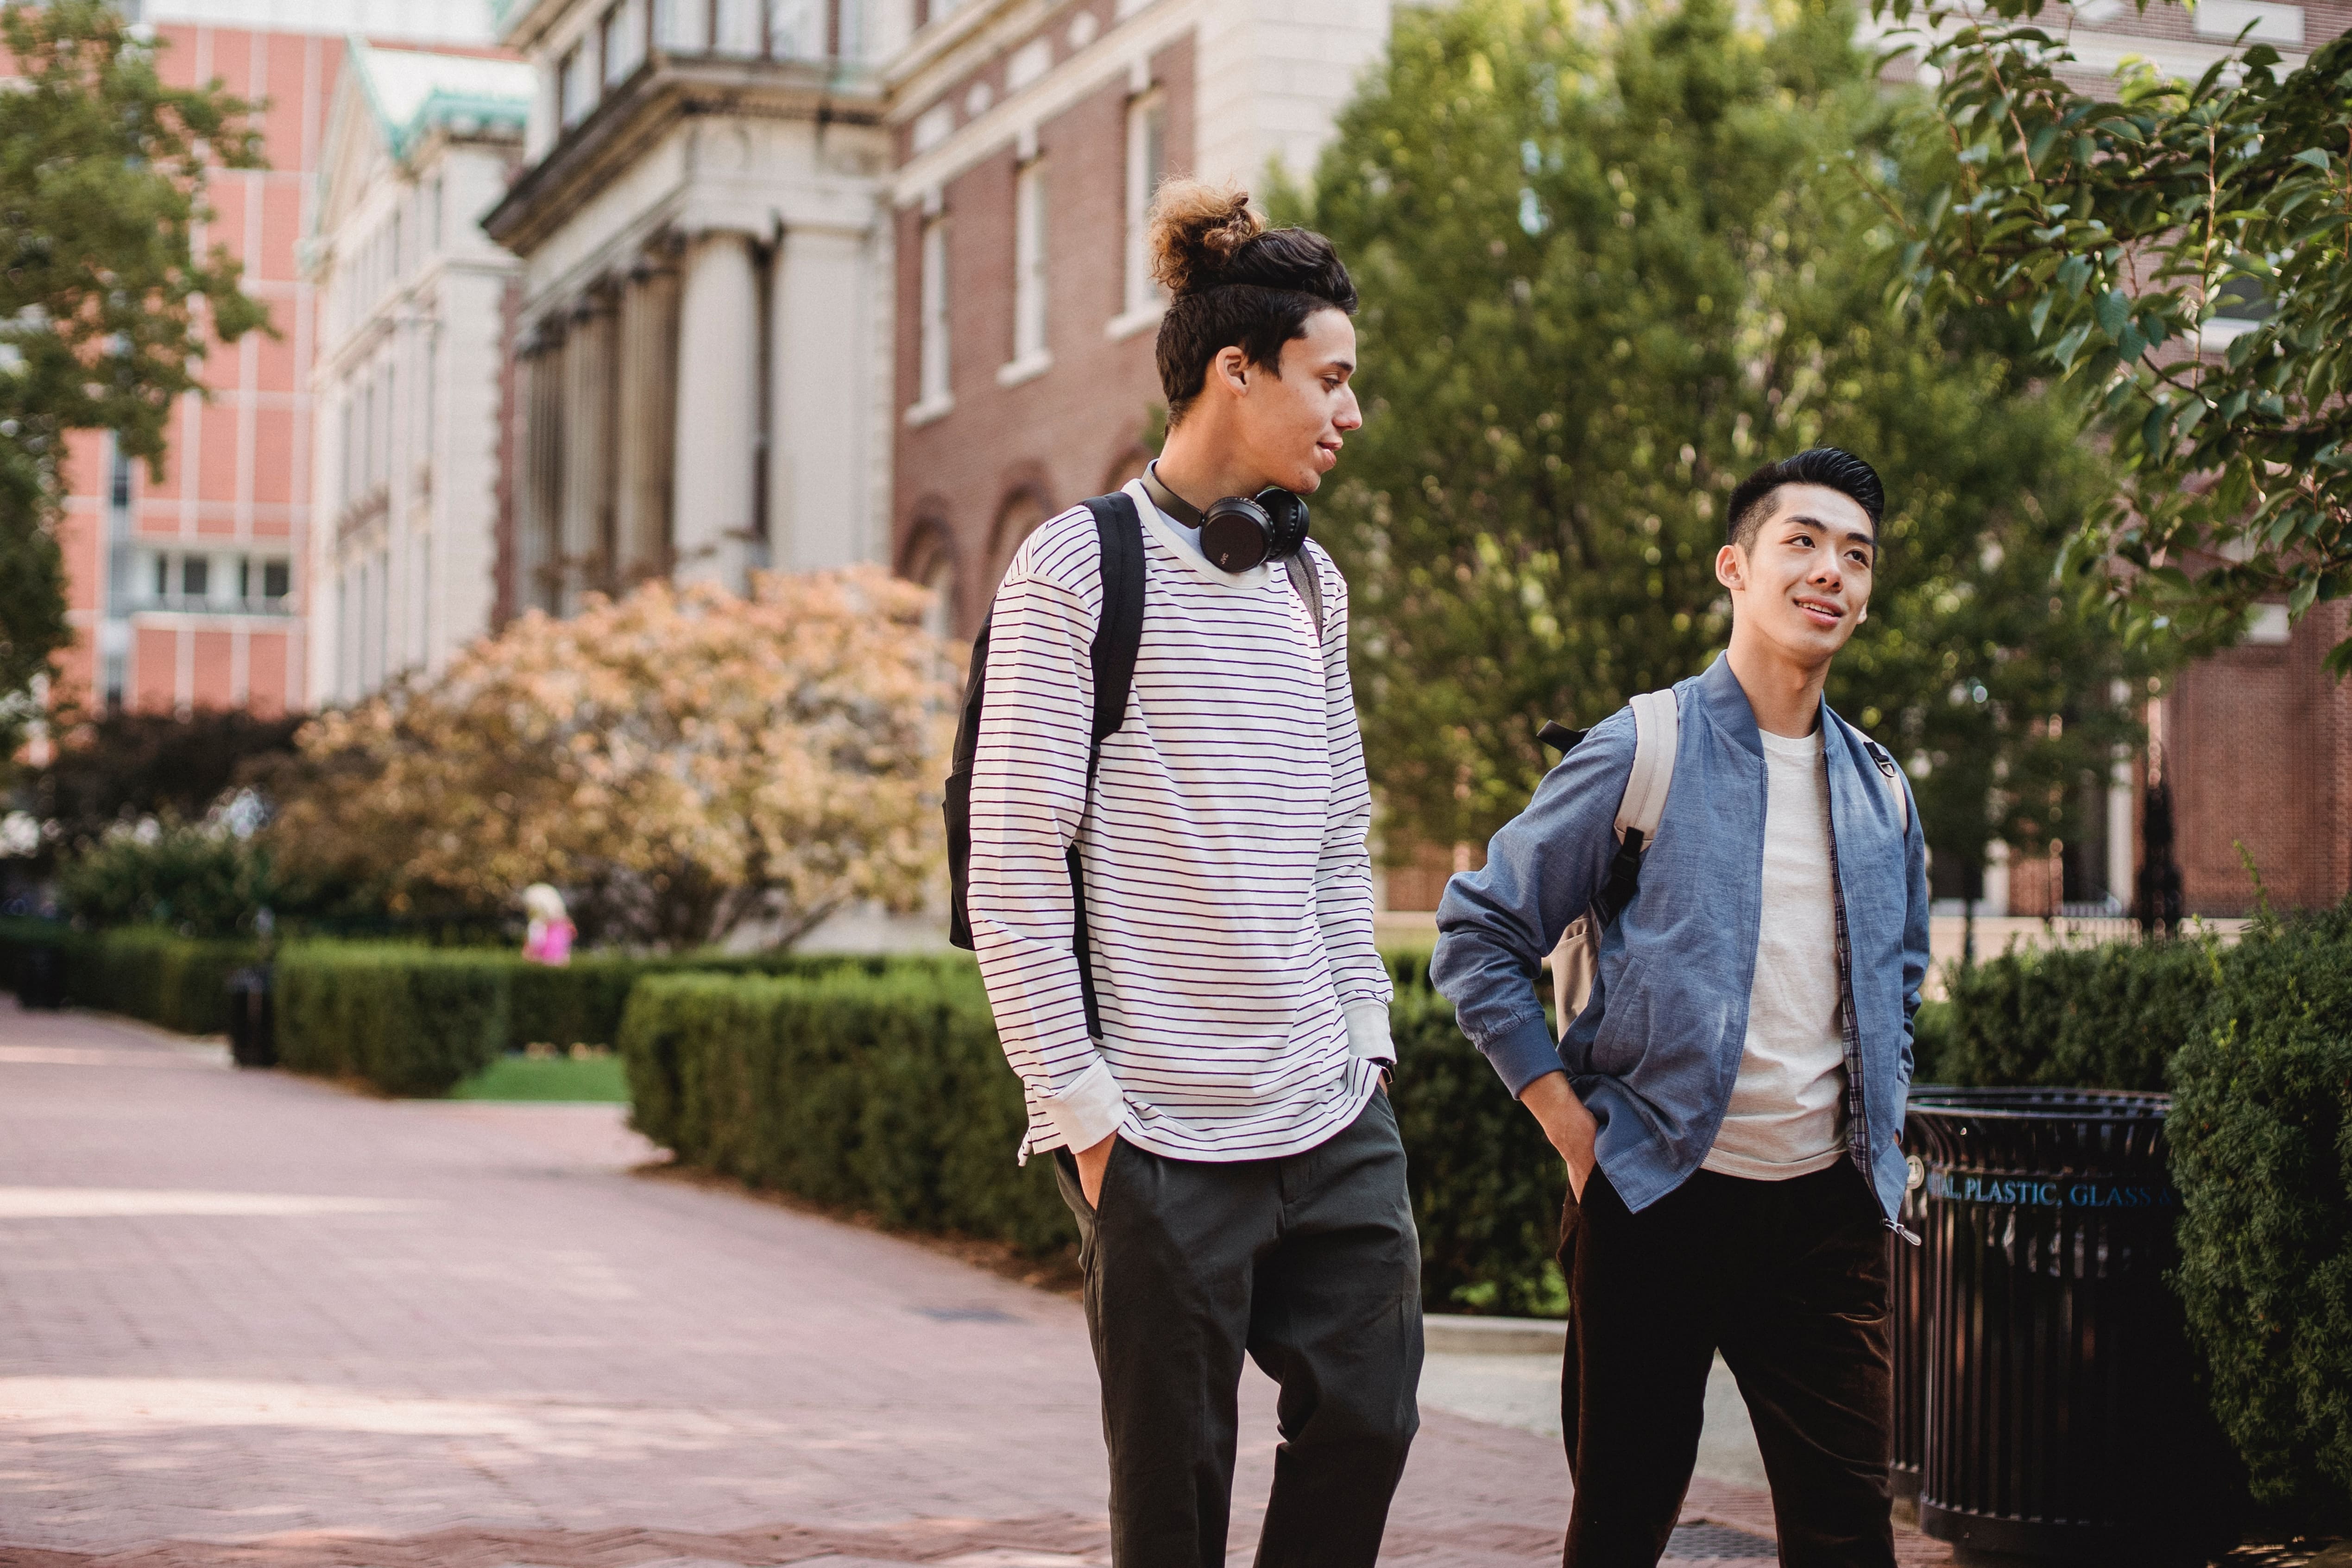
x=1728, y=1100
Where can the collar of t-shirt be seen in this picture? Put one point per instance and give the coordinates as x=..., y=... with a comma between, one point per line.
x=1190, y=540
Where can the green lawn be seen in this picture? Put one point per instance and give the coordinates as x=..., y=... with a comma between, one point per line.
x=552, y=1078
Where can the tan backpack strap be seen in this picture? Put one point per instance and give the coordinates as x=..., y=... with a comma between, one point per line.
x=1890, y=774
x=1308, y=583
x=1657, y=728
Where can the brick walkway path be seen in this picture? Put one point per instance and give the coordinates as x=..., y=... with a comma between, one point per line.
x=252, y=1321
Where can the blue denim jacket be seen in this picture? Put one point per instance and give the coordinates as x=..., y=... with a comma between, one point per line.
x=1655, y=1051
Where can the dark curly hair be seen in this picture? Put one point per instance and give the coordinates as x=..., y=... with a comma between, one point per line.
x=1828, y=466
x=1232, y=281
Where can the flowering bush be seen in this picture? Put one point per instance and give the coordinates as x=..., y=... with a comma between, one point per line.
x=680, y=761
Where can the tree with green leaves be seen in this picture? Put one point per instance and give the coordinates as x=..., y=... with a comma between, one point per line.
x=1608, y=269
x=105, y=310
x=2182, y=253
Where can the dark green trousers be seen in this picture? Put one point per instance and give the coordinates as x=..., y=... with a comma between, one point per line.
x=1310, y=1264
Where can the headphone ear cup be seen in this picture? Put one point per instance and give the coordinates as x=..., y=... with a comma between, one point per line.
x=1236, y=533
x=1286, y=516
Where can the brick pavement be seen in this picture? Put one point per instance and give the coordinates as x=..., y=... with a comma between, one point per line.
x=249, y=1321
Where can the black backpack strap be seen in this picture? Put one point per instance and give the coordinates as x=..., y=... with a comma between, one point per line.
x=1307, y=580
x=1118, y=637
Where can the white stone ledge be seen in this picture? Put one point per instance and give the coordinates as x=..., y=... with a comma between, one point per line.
x=1127, y=324
x=1027, y=368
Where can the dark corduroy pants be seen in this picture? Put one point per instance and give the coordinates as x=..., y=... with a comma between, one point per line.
x=1311, y=1266
x=1788, y=1279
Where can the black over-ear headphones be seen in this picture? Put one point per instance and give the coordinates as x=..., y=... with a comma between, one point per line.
x=1240, y=531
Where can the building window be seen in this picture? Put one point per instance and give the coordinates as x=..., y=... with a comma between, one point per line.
x=669, y=17
x=432, y=212
x=277, y=580
x=1029, y=264
x=365, y=467
x=118, y=475
x=385, y=409
x=432, y=386
x=618, y=37
x=1147, y=164
x=934, y=316
x=795, y=29
x=195, y=576
x=575, y=89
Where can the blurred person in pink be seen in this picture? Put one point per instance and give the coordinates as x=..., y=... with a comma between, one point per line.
x=548, y=938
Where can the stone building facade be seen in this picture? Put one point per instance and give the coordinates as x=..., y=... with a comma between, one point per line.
x=188, y=590
x=702, y=317
x=411, y=383
x=1027, y=136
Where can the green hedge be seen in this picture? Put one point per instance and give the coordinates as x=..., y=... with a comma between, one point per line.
x=408, y=1020
x=2261, y=1149
x=2110, y=1017
x=885, y=1093
x=582, y=1003
x=175, y=982
x=1487, y=1189
x=889, y=1094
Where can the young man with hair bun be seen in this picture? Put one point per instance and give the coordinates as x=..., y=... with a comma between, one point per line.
x=1729, y=1100
x=1210, y=1086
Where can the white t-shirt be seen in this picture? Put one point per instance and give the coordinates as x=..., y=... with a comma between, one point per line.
x=1789, y=1099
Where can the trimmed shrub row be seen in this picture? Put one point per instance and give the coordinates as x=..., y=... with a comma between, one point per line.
x=175, y=982
x=889, y=1094
x=415, y=1020
x=2261, y=1133
x=884, y=1093
x=409, y=1021
x=2111, y=1016
x=409, y=1018
x=2255, y=1042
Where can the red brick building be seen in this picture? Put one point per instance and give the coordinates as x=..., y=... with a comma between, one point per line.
x=187, y=592
x=1028, y=139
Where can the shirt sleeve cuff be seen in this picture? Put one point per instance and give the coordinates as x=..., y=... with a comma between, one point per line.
x=1088, y=1111
x=1523, y=1054
x=1367, y=1031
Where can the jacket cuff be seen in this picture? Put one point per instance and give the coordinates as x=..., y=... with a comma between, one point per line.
x=1368, y=1031
x=1523, y=1054
x=1088, y=1111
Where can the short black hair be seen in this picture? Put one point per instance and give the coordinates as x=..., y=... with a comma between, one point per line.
x=1233, y=282
x=1829, y=466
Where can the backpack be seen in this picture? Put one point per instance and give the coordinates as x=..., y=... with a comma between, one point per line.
x=1118, y=637
x=1657, y=728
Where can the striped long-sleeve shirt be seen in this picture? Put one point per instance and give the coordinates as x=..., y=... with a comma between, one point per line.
x=1229, y=909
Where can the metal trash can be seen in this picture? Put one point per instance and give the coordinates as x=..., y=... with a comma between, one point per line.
x=1909, y=1303
x=40, y=978
x=2063, y=1422
x=252, y=1034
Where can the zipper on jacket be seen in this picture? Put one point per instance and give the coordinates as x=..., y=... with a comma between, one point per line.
x=1850, y=1029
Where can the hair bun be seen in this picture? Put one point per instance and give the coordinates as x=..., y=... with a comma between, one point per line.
x=1196, y=228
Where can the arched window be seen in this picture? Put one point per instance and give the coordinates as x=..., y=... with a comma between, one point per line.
x=1015, y=521
x=1127, y=464
x=930, y=559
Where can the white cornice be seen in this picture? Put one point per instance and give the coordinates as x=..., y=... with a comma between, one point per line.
x=1113, y=55
x=932, y=45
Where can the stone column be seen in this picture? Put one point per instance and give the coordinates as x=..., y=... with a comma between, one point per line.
x=587, y=531
x=538, y=504
x=718, y=411
x=647, y=422
x=820, y=490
